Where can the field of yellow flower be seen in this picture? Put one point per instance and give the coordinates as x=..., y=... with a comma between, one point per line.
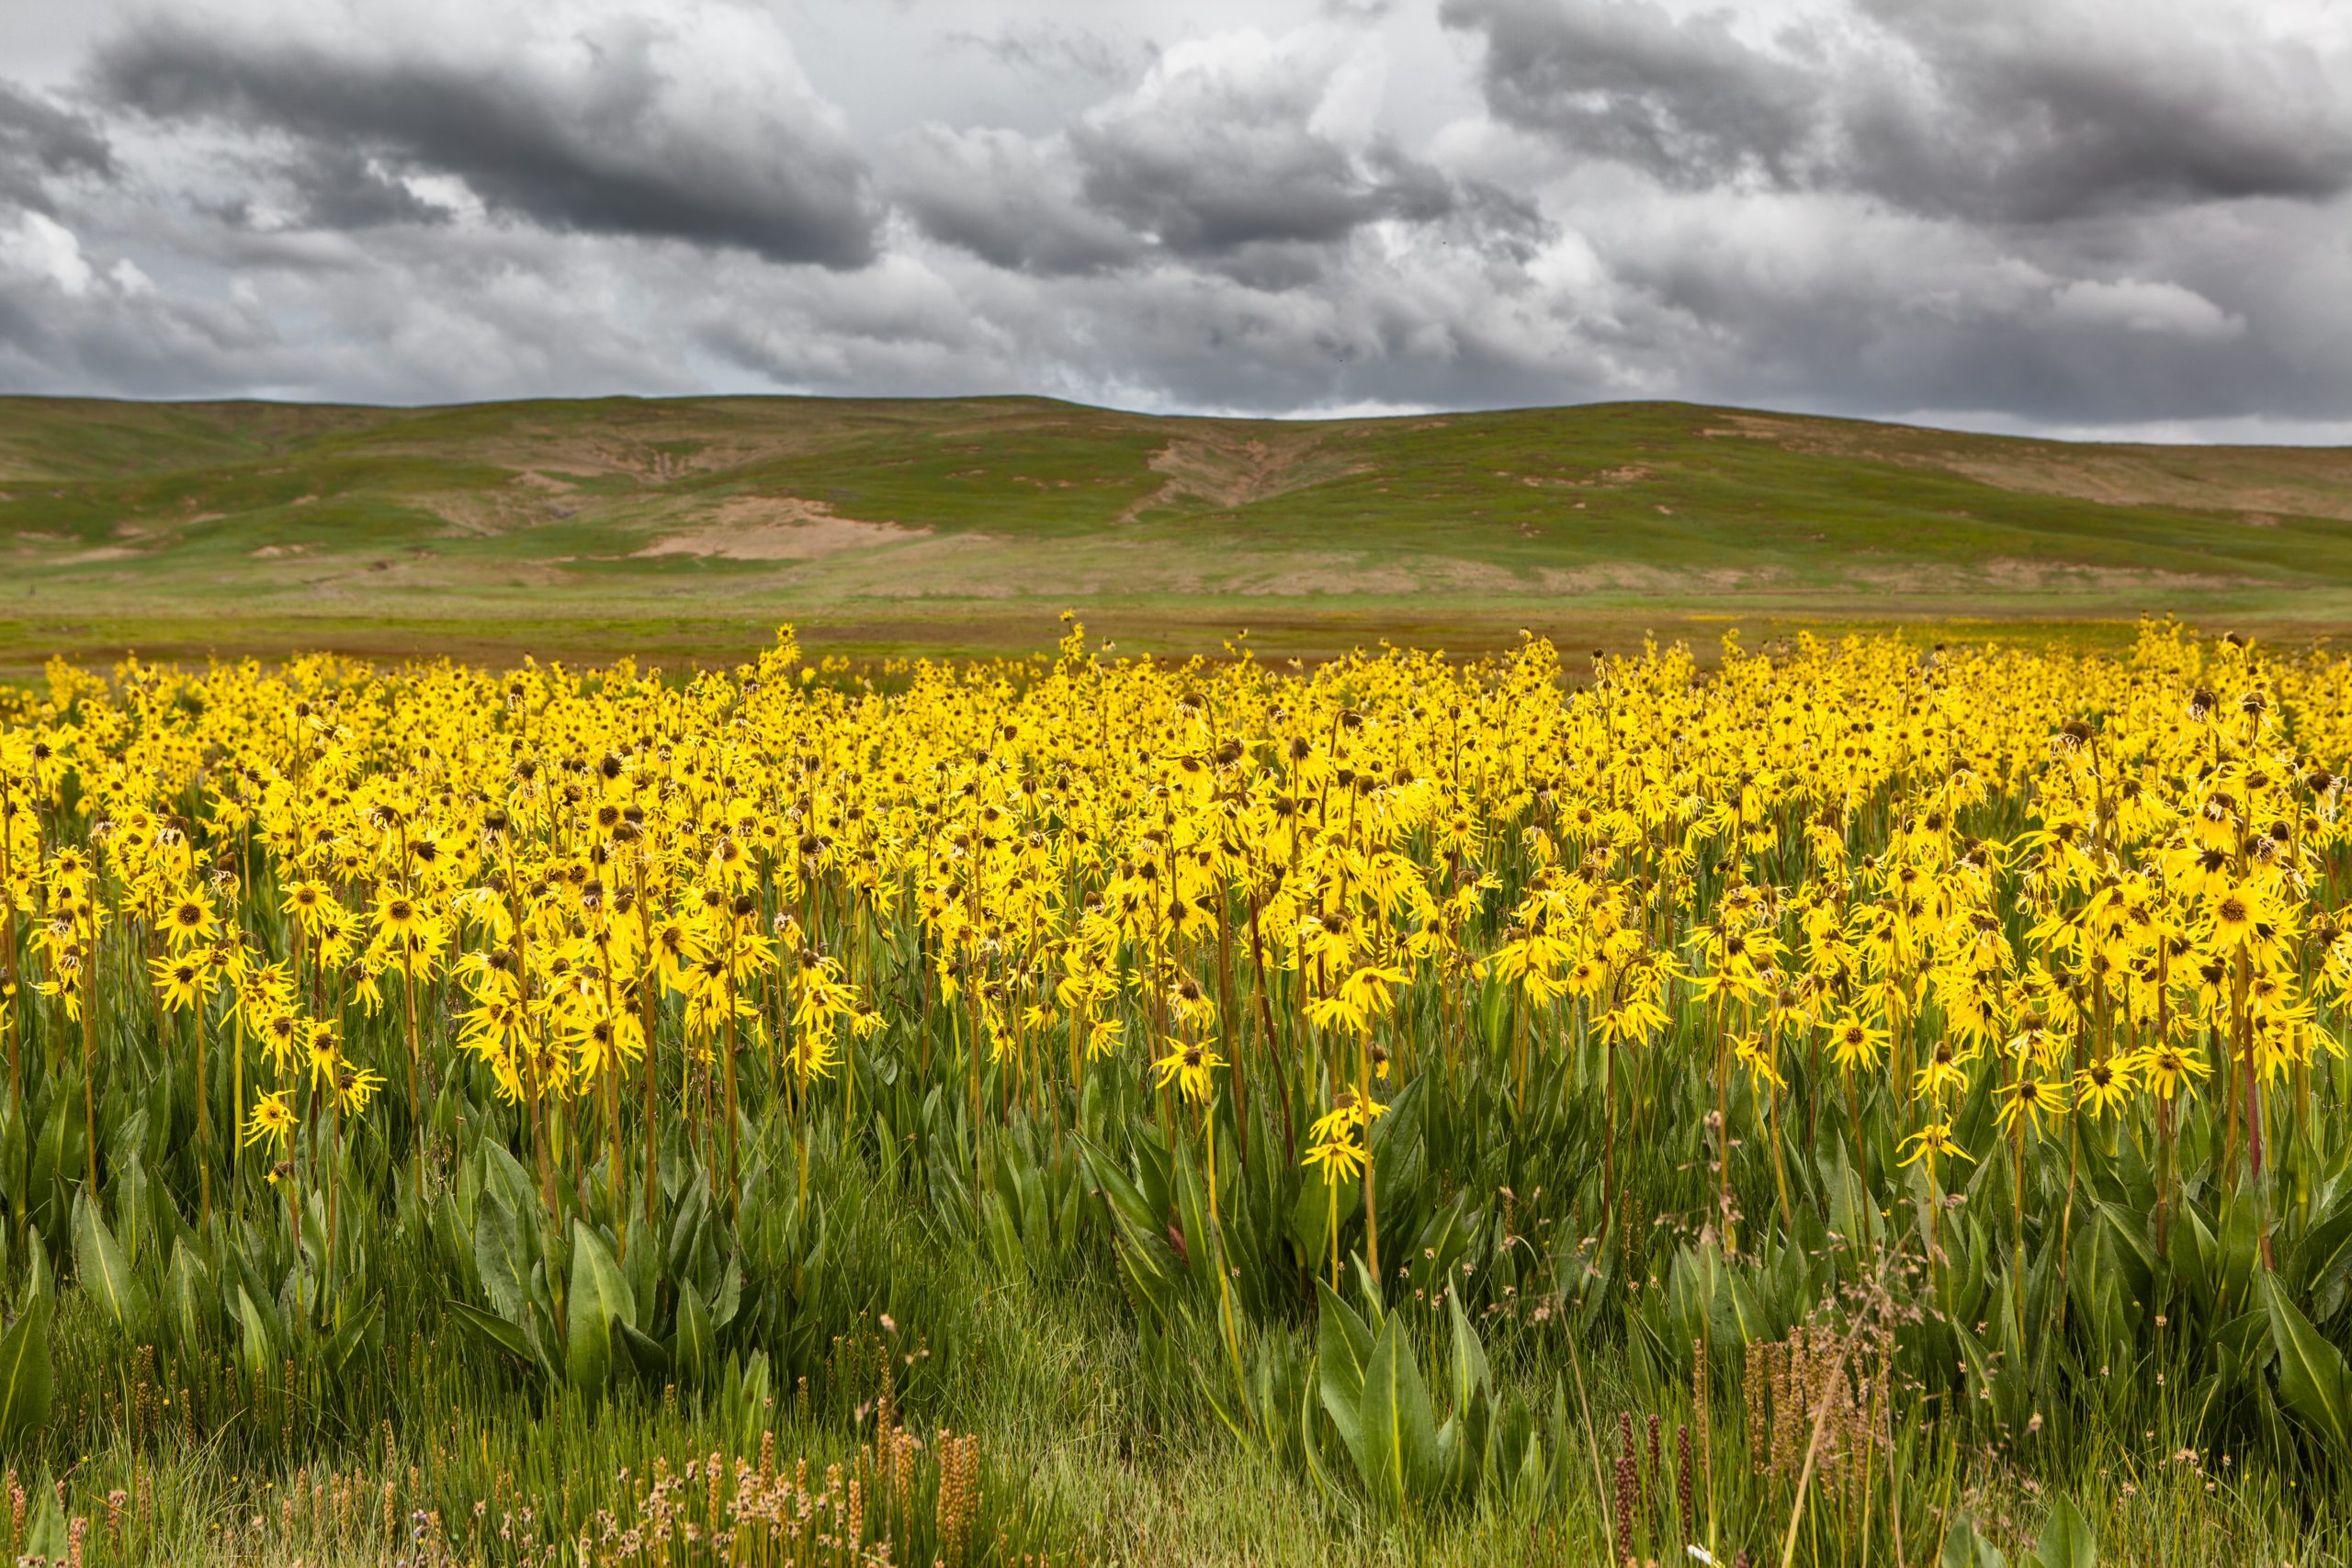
x=491, y=1117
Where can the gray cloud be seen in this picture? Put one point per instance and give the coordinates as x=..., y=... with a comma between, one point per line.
x=2060, y=214
x=614, y=148
x=39, y=141
x=339, y=187
x=1012, y=200
x=1683, y=99
x=1208, y=160
x=1049, y=50
x=1990, y=109
x=2038, y=112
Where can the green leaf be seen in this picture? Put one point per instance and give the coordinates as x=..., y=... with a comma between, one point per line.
x=599, y=1297
x=46, y=1539
x=2323, y=1261
x=694, y=1340
x=1400, y=1440
x=748, y=1401
x=1310, y=1444
x=25, y=1382
x=189, y=1294
x=645, y=1353
x=643, y=1267
x=2313, y=1380
x=494, y=1332
x=503, y=1175
x=40, y=1285
x=104, y=1272
x=2065, y=1539
x=1471, y=1375
x=351, y=1336
x=1964, y=1548
x=501, y=1258
x=1343, y=1345
x=260, y=1354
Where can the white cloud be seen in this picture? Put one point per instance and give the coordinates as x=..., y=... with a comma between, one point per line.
x=46, y=250
x=2141, y=305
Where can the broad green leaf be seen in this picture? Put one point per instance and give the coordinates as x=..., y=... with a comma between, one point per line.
x=503, y=1175
x=2065, y=1539
x=494, y=1331
x=501, y=1262
x=1342, y=1346
x=643, y=1267
x=598, y=1298
x=2323, y=1261
x=25, y=1373
x=1964, y=1548
x=730, y=1298
x=2313, y=1380
x=351, y=1336
x=46, y=1538
x=260, y=1353
x=105, y=1272
x=40, y=1285
x=134, y=1214
x=192, y=1302
x=645, y=1352
x=1471, y=1376
x=749, y=1405
x=1399, y=1439
x=693, y=1342
x=1311, y=1444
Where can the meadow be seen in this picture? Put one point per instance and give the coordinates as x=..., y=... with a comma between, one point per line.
x=1850, y=1102
x=682, y=530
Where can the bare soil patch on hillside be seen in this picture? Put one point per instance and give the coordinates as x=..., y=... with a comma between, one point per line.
x=779, y=528
x=1227, y=471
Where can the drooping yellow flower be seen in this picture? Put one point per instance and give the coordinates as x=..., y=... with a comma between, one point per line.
x=2169, y=1068
x=1189, y=1067
x=1339, y=1160
x=1932, y=1143
x=2031, y=1097
x=272, y=1121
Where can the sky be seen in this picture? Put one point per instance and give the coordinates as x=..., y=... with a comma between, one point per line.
x=2116, y=219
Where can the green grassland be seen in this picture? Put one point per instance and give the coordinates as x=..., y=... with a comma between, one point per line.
x=684, y=528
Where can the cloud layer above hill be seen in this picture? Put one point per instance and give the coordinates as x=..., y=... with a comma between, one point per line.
x=2123, y=217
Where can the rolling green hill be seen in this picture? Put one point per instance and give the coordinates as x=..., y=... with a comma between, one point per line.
x=685, y=527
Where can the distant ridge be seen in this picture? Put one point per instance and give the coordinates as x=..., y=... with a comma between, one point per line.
x=989, y=511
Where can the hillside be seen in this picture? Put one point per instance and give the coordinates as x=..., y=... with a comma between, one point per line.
x=682, y=526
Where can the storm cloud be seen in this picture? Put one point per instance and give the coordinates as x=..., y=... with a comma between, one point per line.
x=622, y=125
x=2073, y=215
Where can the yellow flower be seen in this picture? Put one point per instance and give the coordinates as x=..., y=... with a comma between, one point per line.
x=182, y=981
x=2169, y=1068
x=190, y=920
x=1933, y=1142
x=2104, y=1086
x=2030, y=1097
x=305, y=901
x=1347, y=1112
x=272, y=1121
x=1855, y=1044
x=1188, y=1066
x=2232, y=915
x=355, y=1087
x=1340, y=1158
x=1946, y=1071
x=402, y=918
